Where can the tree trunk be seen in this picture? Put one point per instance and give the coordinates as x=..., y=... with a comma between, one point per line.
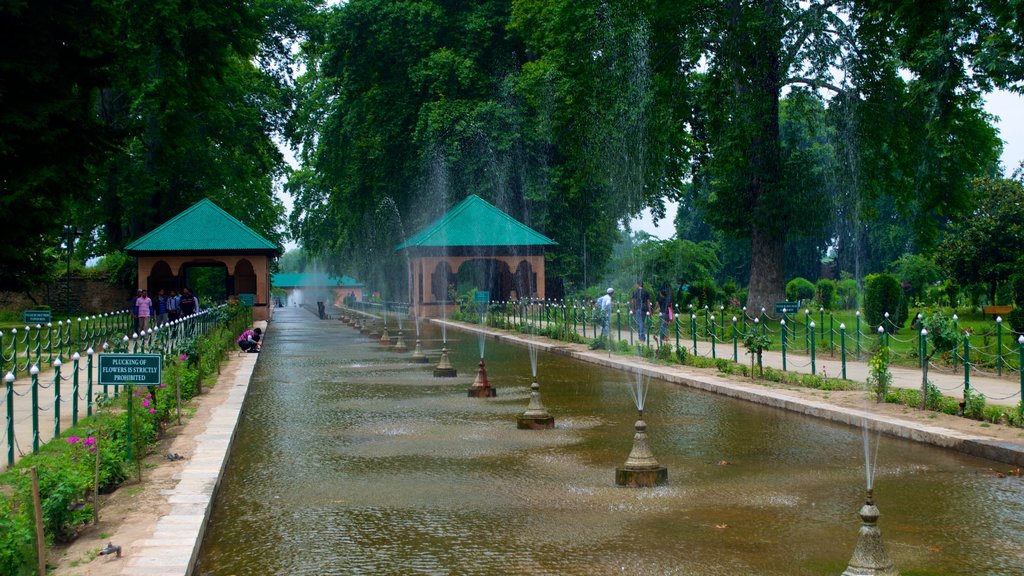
x=767, y=269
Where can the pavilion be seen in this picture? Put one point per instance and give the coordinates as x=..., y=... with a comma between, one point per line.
x=504, y=257
x=204, y=235
x=310, y=287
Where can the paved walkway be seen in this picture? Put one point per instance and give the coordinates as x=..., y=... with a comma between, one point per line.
x=1002, y=391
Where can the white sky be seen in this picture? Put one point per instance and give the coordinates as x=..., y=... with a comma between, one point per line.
x=1007, y=107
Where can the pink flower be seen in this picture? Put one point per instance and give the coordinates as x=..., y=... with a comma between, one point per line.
x=73, y=439
x=145, y=403
x=90, y=441
x=152, y=410
x=183, y=357
x=163, y=385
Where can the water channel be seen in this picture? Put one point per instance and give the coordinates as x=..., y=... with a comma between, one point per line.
x=349, y=460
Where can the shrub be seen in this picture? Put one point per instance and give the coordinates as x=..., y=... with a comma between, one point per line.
x=883, y=293
x=846, y=290
x=879, y=377
x=799, y=289
x=826, y=293
x=974, y=405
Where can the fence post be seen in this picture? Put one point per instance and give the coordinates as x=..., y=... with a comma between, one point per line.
x=782, y=331
x=842, y=346
x=1020, y=343
x=76, y=357
x=34, y=371
x=88, y=381
x=693, y=330
x=9, y=379
x=814, y=370
x=675, y=323
x=967, y=365
x=713, y=355
x=999, y=345
x=56, y=397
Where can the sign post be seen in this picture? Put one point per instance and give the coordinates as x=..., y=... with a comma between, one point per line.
x=35, y=316
x=135, y=369
x=786, y=307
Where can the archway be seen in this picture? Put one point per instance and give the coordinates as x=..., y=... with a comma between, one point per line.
x=440, y=280
x=208, y=281
x=525, y=280
x=161, y=278
x=245, y=278
x=493, y=276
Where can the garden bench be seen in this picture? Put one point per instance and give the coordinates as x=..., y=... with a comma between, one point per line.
x=996, y=310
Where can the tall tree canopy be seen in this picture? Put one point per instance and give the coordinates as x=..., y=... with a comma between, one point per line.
x=117, y=114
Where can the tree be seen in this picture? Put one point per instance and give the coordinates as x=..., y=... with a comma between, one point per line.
x=983, y=245
x=917, y=142
x=53, y=60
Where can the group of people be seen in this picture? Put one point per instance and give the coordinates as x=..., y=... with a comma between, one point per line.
x=165, y=309
x=639, y=309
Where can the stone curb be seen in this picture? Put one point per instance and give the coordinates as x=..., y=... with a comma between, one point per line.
x=974, y=445
x=173, y=547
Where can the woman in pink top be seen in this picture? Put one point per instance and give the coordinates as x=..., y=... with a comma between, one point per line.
x=144, y=309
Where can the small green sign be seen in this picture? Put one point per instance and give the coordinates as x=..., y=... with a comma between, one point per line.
x=142, y=369
x=482, y=296
x=247, y=299
x=787, y=307
x=36, y=316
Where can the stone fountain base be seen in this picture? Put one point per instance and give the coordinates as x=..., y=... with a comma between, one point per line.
x=641, y=478
x=535, y=422
x=481, y=392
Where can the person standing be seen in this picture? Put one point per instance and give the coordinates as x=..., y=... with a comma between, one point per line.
x=173, y=308
x=604, y=304
x=640, y=305
x=133, y=309
x=664, y=312
x=144, y=310
x=187, y=303
x=161, y=307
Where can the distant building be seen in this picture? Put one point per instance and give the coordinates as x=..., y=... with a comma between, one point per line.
x=313, y=287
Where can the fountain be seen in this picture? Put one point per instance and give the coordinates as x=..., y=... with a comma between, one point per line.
x=444, y=368
x=385, y=338
x=869, y=557
x=536, y=416
x=418, y=357
x=481, y=387
x=641, y=468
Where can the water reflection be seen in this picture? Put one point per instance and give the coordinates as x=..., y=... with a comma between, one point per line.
x=351, y=461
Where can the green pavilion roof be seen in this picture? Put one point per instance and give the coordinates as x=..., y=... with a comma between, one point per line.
x=313, y=279
x=476, y=222
x=203, y=228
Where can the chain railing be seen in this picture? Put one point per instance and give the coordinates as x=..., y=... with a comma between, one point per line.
x=22, y=354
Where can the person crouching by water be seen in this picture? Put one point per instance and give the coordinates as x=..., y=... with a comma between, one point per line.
x=249, y=341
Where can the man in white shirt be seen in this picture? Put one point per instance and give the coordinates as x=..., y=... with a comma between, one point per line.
x=604, y=303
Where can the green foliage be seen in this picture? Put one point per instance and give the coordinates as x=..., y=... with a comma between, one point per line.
x=879, y=377
x=942, y=332
x=918, y=273
x=883, y=294
x=848, y=293
x=826, y=293
x=799, y=289
x=974, y=405
x=981, y=246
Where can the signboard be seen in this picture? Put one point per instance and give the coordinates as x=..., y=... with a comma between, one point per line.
x=787, y=307
x=36, y=316
x=246, y=299
x=141, y=369
x=481, y=296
